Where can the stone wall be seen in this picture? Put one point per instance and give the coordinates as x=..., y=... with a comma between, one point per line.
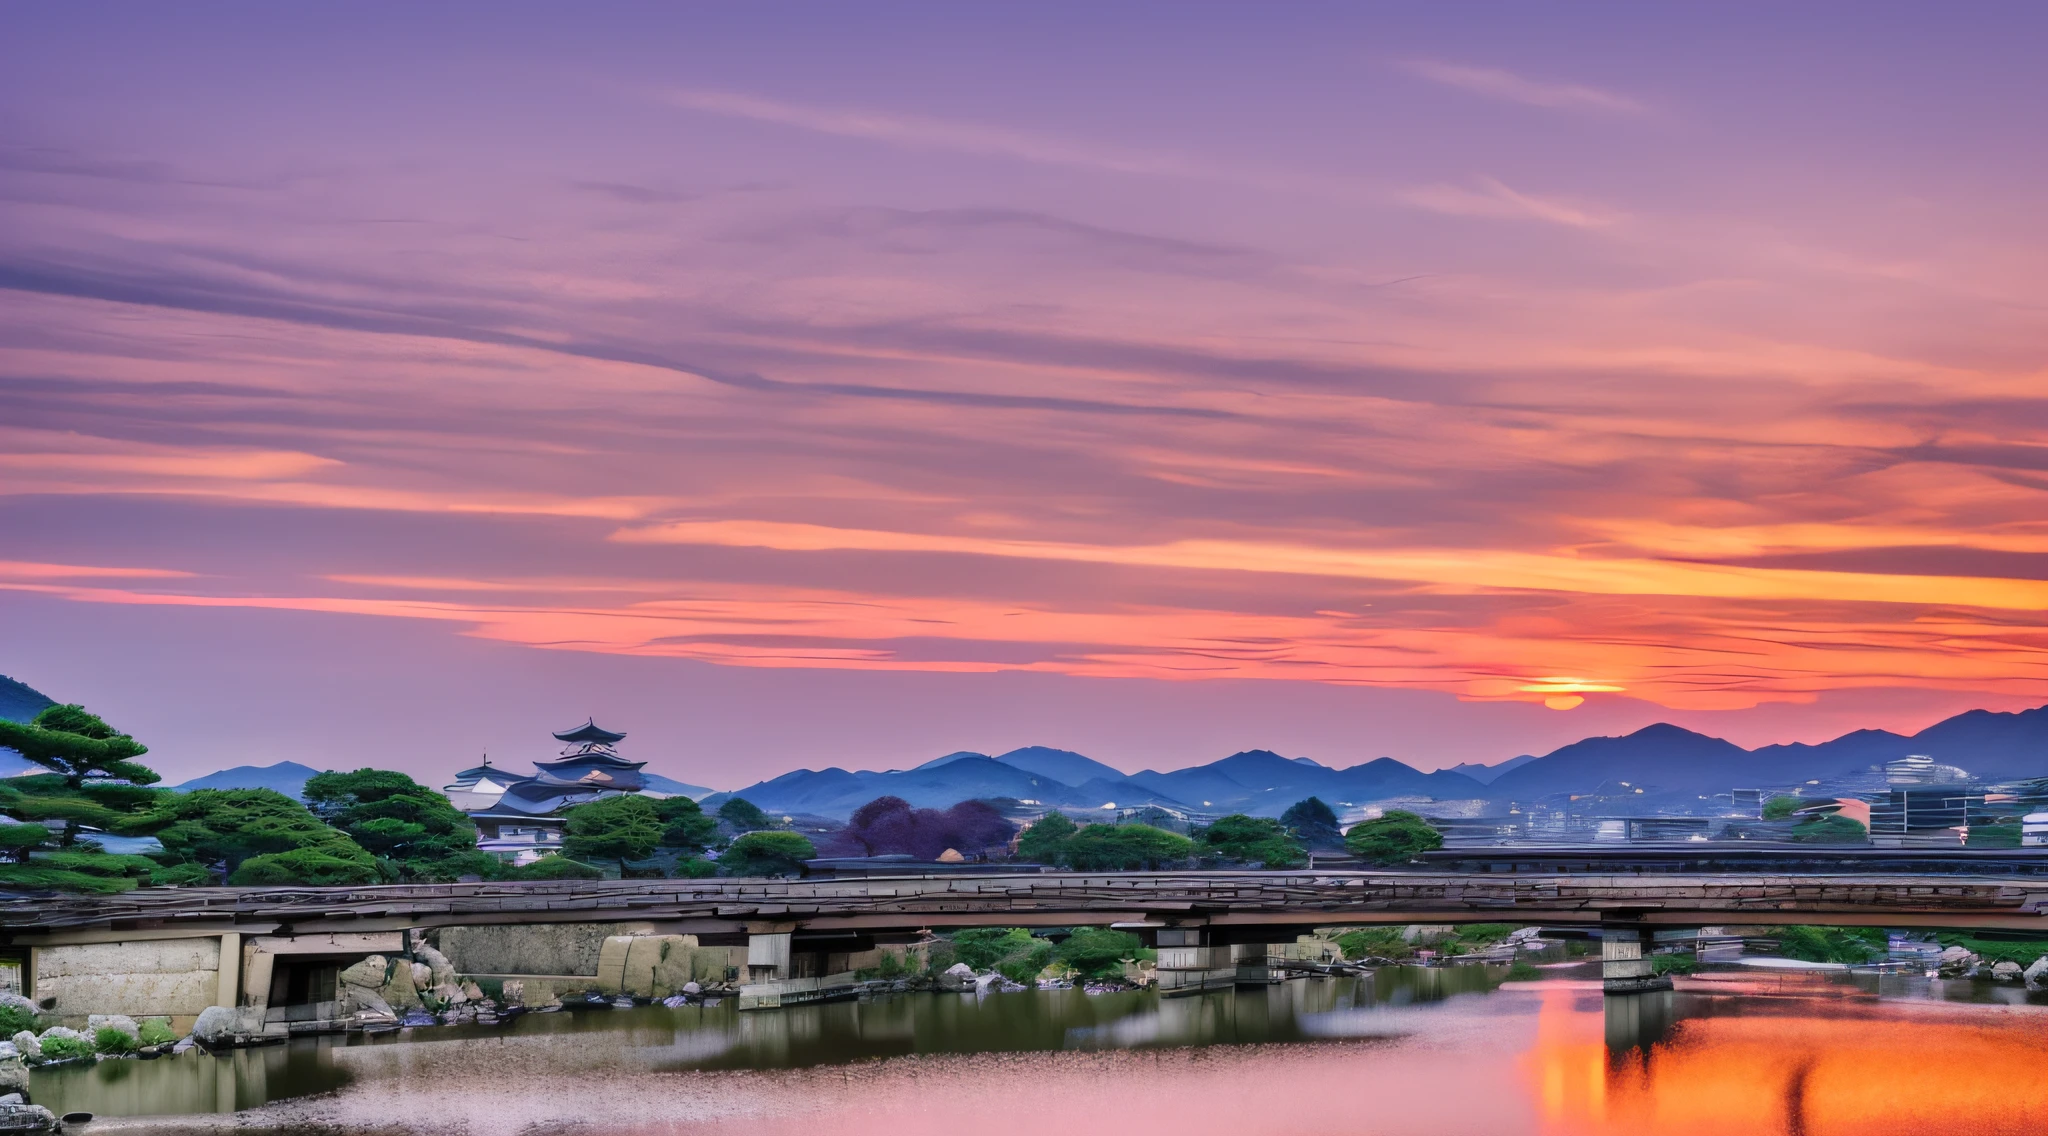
x=535, y=948
x=163, y=977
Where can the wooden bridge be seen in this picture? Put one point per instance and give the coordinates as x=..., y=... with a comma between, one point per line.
x=1232, y=904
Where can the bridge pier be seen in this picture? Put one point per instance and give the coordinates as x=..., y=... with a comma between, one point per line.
x=1625, y=959
x=1191, y=962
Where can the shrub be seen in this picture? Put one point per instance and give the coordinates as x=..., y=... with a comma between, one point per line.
x=1253, y=840
x=767, y=854
x=1045, y=842
x=1098, y=952
x=1392, y=839
x=155, y=1031
x=112, y=1041
x=556, y=867
x=1375, y=942
x=1831, y=944
x=62, y=1048
x=1674, y=963
x=694, y=868
x=1125, y=847
x=305, y=866
x=14, y=1019
x=1522, y=970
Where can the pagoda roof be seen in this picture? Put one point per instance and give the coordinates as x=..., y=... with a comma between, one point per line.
x=591, y=732
x=594, y=777
x=536, y=798
x=496, y=773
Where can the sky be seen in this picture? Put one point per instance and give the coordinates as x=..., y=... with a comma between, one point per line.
x=813, y=384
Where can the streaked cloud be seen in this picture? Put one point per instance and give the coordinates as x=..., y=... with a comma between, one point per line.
x=1489, y=197
x=1507, y=86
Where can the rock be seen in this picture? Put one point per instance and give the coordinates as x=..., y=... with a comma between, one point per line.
x=217, y=1025
x=449, y=994
x=693, y=988
x=418, y=1017
x=13, y=1070
x=2036, y=971
x=17, y=1115
x=370, y=973
x=357, y=1002
x=400, y=992
x=26, y=1044
x=94, y=1023
x=1957, y=961
x=474, y=992
x=2005, y=970
x=184, y=1044
x=957, y=977
x=422, y=976
x=439, y=968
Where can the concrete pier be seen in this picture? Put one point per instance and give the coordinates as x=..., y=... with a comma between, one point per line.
x=1625, y=966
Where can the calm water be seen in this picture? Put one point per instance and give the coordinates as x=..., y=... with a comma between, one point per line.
x=1408, y=1051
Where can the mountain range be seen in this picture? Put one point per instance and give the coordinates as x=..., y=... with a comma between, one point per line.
x=1661, y=763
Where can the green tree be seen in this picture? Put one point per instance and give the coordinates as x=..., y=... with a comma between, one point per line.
x=392, y=816
x=617, y=828
x=1392, y=839
x=556, y=867
x=1252, y=840
x=1125, y=847
x=93, y=784
x=1098, y=952
x=77, y=745
x=767, y=854
x=231, y=827
x=1045, y=842
x=684, y=825
x=1831, y=944
x=743, y=815
x=305, y=867
x=1782, y=808
x=1313, y=823
x=1831, y=828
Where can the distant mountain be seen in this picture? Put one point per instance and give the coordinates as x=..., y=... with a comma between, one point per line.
x=1484, y=774
x=939, y=784
x=287, y=777
x=19, y=702
x=1064, y=766
x=1264, y=783
x=675, y=788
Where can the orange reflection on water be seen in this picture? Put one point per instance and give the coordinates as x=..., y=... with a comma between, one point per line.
x=1833, y=1071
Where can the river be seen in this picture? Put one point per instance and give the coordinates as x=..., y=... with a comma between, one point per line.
x=1405, y=1051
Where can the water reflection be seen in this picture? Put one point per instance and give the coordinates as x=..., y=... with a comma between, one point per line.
x=1441, y=1050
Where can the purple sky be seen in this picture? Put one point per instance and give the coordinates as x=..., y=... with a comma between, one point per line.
x=803, y=385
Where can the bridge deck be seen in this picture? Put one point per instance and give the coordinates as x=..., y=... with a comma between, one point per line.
x=1220, y=899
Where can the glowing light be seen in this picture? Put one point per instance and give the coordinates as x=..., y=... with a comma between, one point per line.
x=1563, y=701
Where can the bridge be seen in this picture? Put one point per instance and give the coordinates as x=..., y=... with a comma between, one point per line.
x=788, y=937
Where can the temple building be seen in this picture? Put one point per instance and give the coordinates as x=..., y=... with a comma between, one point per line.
x=519, y=816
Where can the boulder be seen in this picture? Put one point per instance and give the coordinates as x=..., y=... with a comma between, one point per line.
x=26, y=1044
x=439, y=968
x=449, y=994
x=693, y=988
x=217, y=1025
x=2035, y=971
x=357, y=1001
x=472, y=991
x=422, y=976
x=94, y=1023
x=400, y=993
x=2005, y=970
x=13, y=1070
x=957, y=977
x=514, y=992
x=1956, y=961
x=17, y=1115
x=370, y=973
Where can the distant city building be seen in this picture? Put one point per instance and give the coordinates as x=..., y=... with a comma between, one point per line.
x=518, y=816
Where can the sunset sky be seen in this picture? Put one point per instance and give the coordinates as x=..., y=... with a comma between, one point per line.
x=794, y=385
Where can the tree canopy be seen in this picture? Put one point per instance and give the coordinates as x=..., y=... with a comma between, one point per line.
x=767, y=854
x=1124, y=847
x=744, y=815
x=75, y=744
x=1314, y=824
x=612, y=828
x=1045, y=842
x=1392, y=839
x=392, y=816
x=890, y=825
x=1252, y=840
x=247, y=830
x=684, y=825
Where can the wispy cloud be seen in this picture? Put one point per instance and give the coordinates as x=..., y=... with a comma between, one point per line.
x=1493, y=198
x=928, y=133
x=1495, y=83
